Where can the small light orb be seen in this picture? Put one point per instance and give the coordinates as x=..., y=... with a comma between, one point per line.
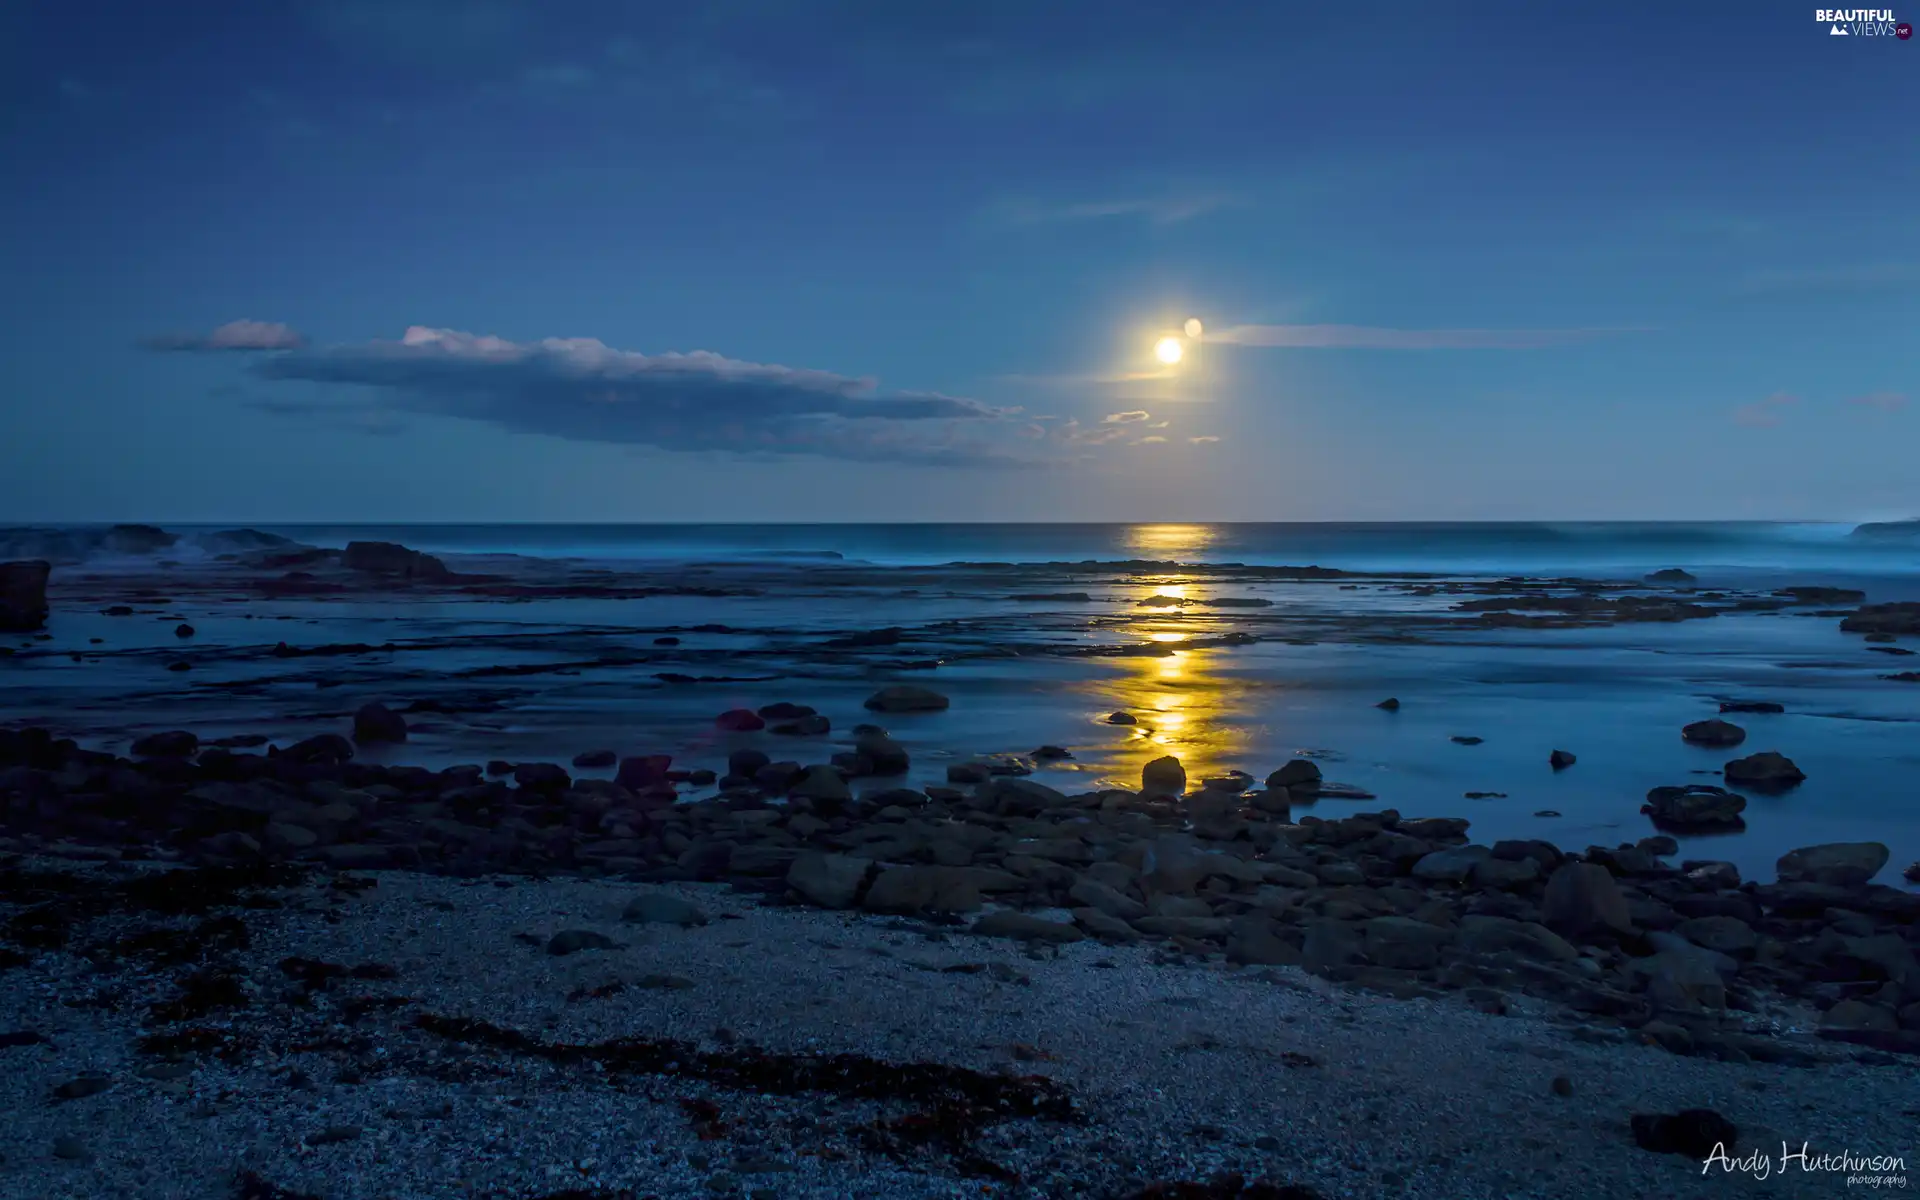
x=1168, y=350
x=1194, y=328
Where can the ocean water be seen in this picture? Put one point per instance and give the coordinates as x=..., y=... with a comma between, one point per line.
x=546, y=678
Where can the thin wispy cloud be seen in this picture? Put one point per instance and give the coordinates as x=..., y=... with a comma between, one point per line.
x=1881, y=401
x=1205, y=439
x=1158, y=210
x=234, y=335
x=1764, y=414
x=1371, y=337
x=1857, y=279
x=1151, y=440
x=583, y=390
x=1122, y=418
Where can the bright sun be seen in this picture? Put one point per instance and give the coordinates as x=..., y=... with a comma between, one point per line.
x=1168, y=350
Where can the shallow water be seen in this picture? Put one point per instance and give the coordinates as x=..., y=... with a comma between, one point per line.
x=1324, y=654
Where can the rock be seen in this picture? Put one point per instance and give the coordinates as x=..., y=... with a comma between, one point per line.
x=1121, y=718
x=821, y=783
x=811, y=726
x=740, y=720
x=1300, y=773
x=71, y=1148
x=1912, y=873
x=324, y=749
x=378, y=723
x=904, y=698
x=638, y=773
x=1582, y=899
x=1498, y=873
x=746, y=762
x=1857, y=1014
x=783, y=710
x=1561, y=1086
x=1682, y=981
x=594, y=760
x=1019, y=926
x=1714, y=732
x=1163, y=777
x=175, y=743
x=1275, y=802
x=183, y=630
x=82, y=1087
x=1484, y=934
x=389, y=558
x=1751, y=706
x=1840, y=864
x=1452, y=865
x=1047, y=753
x=901, y=890
x=1767, y=769
x=1724, y=934
x=544, y=778
x=779, y=776
x=660, y=908
x=1091, y=893
x=23, y=595
x=828, y=880
x=1329, y=944
x=287, y=838
x=1252, y=940
x=1105, y=926
x=1693, y=1132
x=572, y=941
x=1695, y=808
x=1404, y=943
x=1560, y=760
x=1466, y=741
x=1671, y=575
x=886, y=756
x=1390, y=704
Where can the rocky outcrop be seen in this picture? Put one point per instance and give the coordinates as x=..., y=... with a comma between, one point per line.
x=1695, y=808
x=23, y=595
x=1714, y=732
x=391, y=558
x=1899, y=618
x=1843, y=864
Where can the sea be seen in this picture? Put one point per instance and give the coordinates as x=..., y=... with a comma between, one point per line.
x=1297, y=667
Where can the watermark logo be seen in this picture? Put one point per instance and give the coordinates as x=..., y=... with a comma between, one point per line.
x=1887, y=1172
x=1862, y=22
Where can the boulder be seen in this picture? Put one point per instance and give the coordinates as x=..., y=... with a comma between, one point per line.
x=378, y=723
x=1767, y=769
x=548, y=778
x=1671, y=575
x=740, y=720
x=1404, y=943
x=595, y=760
x=1163, y=777
x=1105, y=926
x=391, y=558
x=1857, y=1014
x=23, y=595
x=1483, y=934
x=1301, y=773
x=1091, y=893
x=1695, y=808
x=808, y=726
x=1722, y=934
x=883, y=754
x=1452, y=865
x=904, y=698
x=174, y=743
x=1713, y=732
x=821, y=783
x=1840, y=864
x=828, y=880
x=1582, y=899
x=1122, y=718
x=1560, y=760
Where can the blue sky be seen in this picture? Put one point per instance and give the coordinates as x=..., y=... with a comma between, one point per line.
x=880, y=261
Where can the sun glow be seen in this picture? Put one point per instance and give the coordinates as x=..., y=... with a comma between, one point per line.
x=1168, y=350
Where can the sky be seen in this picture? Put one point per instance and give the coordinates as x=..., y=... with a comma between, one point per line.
x=779, y=260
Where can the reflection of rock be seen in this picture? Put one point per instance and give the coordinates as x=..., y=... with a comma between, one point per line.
x=23, y=595
x=391, y=558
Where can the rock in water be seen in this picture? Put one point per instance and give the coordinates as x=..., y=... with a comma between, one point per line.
x=1300, y=773
x=740, y=720
x=378, y=723
x=907, y=698
x=1767, y=769
x=175, y=743
x=23, y=595
x=1693, y=1132
x=183, y=630
x=1695, y=808
x=1163, y=777
x=1391, y=704
x=391, y=558
x=1121, y=718
x=1560, y=760
x=1671, y=575
x=1844, y=864
x=820, y=783
x=1714, y=732
x=887, y=756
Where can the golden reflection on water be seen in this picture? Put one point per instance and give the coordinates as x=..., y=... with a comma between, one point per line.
x=1170, y=541
x=1182, y=707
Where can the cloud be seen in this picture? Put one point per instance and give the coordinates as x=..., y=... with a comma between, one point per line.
x=1125, y=418
x=584, y=390
x=234, y=335
x=1368, y=337
x=1884, y=401
x=1151, y=440
x=1159, y=210
x=1074, y=434
x=1205, y=439
x=1868, y=279
x=1764, y=414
